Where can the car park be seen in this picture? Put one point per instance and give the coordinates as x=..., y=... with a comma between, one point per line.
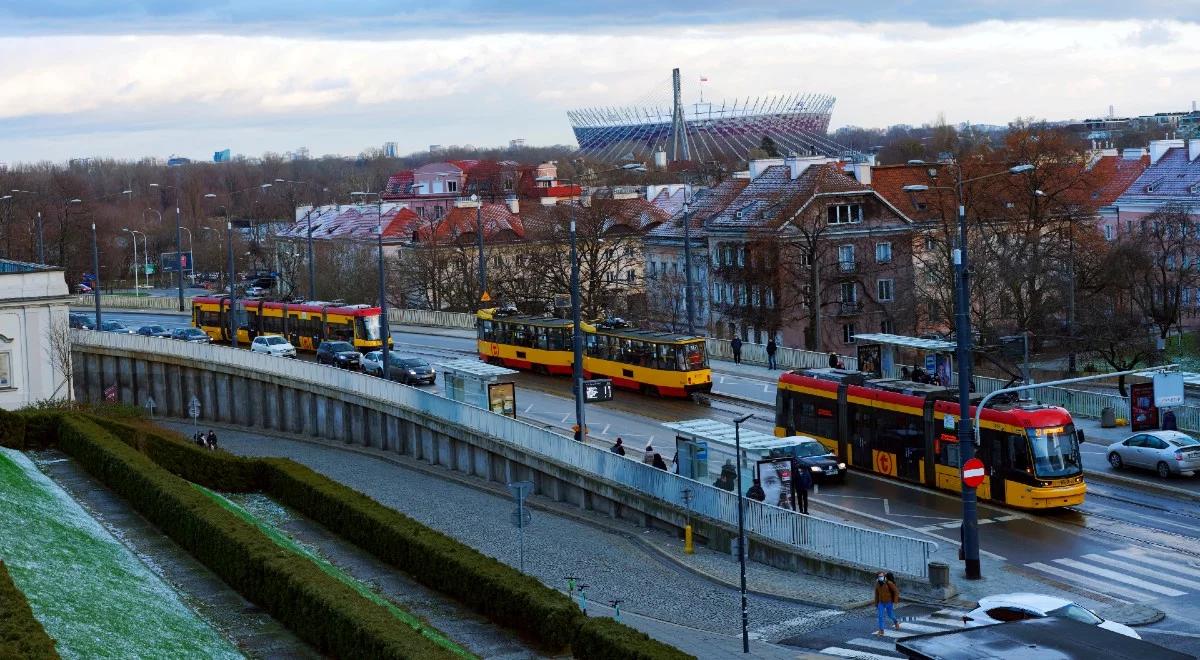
x=117, y=327
x=338, y=354
x=153, y=331
x=193, y=335
x=1002, y=608
x=273, y=345
x=1166, y=452
x=81, y=321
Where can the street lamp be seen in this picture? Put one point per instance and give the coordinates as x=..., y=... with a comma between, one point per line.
x=966, y=435
x=233, y=337
x=178, y=239
x=385, y=331
x=133, y=234
x=577, y=336
x=687, y=267
x=482, y=261
x=737, y=443
x=95, y=265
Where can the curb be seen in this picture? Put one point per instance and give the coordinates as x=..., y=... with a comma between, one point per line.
x=1143, y=484
x=549, y=507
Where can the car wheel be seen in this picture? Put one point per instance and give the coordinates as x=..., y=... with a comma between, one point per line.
x=1164, y=470
x=1114, y=459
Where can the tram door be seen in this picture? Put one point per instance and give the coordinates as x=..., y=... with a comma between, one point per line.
x=993, y=456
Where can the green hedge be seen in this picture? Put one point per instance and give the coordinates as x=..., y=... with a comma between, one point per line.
x=21, y=635
x=325, y=612
x=218, y=470
x=602, y=637
x=12, y=430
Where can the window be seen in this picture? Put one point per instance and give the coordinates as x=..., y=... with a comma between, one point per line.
x=1108, y=232
x=769, y=298
x=885, y=290
x=887, y=327
x=929, y=244
x=844, y=213
x=848, y=333
x=849, y=292
x=630, y=276
x=883, y=252
x=451, y=186
x=846, y=254
x=437, y=212
x=741, y=255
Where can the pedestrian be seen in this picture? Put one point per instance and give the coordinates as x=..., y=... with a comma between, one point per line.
x=198, y=438
x=211, y=439
x=833, y=360
x=648, y=455
x=887, y=594
x=771, y=348
x=728, y=479
x=619, y=447
x=802, y=481
x=1168, y=421
x=904, y=375
x=658, y=462
x=575, y=431
x=736, y=346
x=756, y=492
x=841, y=364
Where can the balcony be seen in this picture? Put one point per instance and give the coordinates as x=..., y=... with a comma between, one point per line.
x=851, y=308
x=848, y=266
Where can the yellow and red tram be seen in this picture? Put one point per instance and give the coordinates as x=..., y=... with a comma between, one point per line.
x=304, y=324
x=908, y=431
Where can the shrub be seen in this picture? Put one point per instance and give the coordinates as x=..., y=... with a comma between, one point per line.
x=21, y=635
x=12, y=430
x=602, y=637
x=327, y=613
x=218, y=470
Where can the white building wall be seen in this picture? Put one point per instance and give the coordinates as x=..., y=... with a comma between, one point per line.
x=31, y=305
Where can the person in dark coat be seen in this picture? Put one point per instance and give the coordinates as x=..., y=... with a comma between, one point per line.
x=1168, y=421
x=211, y=439
x=756, y=492
x=619, y=447
x=659, y=463
x=736, y=347
x=802, y=481
x=728, y=479
x=833, y=360
x=771, y=348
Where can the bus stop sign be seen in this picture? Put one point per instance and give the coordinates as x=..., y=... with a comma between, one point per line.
x=599, y=389
x=972, y=473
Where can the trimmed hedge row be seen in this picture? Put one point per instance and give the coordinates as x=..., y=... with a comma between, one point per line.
x=21, y=635
x=327, y=613
x=490, y=587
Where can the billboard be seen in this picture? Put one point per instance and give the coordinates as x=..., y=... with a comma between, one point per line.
x=869, y=360
x=173, y=262
x=1143, y=415
x=775, y=478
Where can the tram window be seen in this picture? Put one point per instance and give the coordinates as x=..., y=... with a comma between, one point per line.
x=783, y=408
x=542, y=341
x=694, y=357
x=518, y=335
x=341, y=332
x=557, y=338
x=949, y=454
x=1018, y=453
x=663, y=357
x=487, y=331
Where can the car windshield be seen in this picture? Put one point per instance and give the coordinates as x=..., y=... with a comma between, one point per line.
x=807, y=449
x=340, y=347
x=1055, y=451
x=153, y=328
x=275, y=341
x=1076, y=613
x=373, y=356
x=113, y=325
x=192, y=332
x=412, y=363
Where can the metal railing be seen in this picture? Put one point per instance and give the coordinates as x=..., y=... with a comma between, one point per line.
x=120, y=301
x=825, y=538
x=428, y=317
x=785, y=358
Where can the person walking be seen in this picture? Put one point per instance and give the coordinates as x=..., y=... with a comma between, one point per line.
x=211, y=439
x=728, y=479
x=756, y=492
x=833, y=360
x=736, y=347
x=771, y=348
x=658, y=462
x=619, y=447
x=1168, y=421
x=648, y=455
x=887, y=594
x=803, y=482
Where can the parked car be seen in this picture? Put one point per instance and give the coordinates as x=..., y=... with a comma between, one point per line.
x=117, y=327
x=256, y=292
x=813, y=456
x=1002, y=608
x=273, y=345
x=82, y=288
x=339, y=354
x=193, y=335
x=1166, y=452
x=405, y=369
x=81, y=321
x=153, y=331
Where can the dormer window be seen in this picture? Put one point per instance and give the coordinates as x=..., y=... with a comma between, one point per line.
x=840, y=214
x=451, y=186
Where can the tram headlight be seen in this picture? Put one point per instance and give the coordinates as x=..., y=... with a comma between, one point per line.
x=817, y=468
x=841, y=466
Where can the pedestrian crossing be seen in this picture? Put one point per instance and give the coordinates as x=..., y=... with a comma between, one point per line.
x=1131, y=574
x=871, y=647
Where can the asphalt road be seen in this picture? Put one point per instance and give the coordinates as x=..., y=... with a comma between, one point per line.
x=1125, y=544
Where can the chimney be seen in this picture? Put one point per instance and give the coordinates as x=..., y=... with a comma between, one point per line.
x=514, y=205
x=660, y=159
x=1159, y=147
x=1193, y=149
x=794, y=166
x=862, y=172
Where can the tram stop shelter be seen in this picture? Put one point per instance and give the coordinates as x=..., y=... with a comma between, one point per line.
x=703, y=447
x=877, y=354
x=480, y=384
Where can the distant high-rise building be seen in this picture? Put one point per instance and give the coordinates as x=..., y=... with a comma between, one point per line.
x=436, y=148
x=389, y=150
x=176, y=161
x=222, y=156
x=516, y=143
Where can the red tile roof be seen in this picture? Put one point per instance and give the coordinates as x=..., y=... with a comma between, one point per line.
x=704, y=204
x=774, y=194
x=889, y=182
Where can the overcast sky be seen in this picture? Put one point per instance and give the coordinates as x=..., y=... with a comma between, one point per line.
x=129, y=79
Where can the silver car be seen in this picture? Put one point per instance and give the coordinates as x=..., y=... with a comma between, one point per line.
x=1166, y=452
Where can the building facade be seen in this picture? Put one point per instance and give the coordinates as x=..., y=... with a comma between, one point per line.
x=35, y=351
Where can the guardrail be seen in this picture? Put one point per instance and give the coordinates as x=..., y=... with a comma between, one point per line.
x=133, y=302
x=428, y=317
x=838, y=541
x=785, y=358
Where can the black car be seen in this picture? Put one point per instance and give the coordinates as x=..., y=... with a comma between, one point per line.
x=192, y=335
x=411, y=371
x=822, y=463
x=81, y=321
x=339, y=354
x=153, y=331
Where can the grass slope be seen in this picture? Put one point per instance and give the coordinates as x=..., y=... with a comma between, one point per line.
x=90, y=592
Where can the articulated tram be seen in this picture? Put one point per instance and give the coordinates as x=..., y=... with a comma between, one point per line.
x=909, y=431
x=657, y=363
x=304, y=324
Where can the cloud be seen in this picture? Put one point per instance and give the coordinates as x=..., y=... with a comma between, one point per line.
x=141, y=94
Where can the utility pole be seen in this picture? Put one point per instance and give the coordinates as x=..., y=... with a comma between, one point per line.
x=687, y=267
x=482, y=261
x=178, y=240
x=312, y=269
x=96, y=269
x=577, y=336
x=966, y=438
x=233, y=325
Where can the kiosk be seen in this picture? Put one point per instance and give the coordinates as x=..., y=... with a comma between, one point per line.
x=480, y=384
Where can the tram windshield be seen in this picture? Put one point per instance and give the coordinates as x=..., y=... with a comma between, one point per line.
x=1055, y=452
x=368, y=327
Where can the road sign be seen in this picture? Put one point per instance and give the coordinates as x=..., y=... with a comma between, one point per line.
x=520, y=489
x=173, y=262
x=598, y=389
x=885, y=462
x=520, y=516
x=194, y=408
x=485, y=297
x=972, y=474
x=150, y=404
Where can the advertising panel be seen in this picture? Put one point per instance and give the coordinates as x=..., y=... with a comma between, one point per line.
x=775, y=477
x=1143, y=415
x=502, y=398
x=869, y=360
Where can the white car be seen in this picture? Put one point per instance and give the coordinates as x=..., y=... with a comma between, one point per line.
x=1165, y=452
x=273, y=345
x=256, y=292
x=1019, y=606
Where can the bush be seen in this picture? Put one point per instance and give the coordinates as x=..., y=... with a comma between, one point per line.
x=12, y=430
x=602, y=637
x=327, y=613
x=218, y=470
x=21, y=635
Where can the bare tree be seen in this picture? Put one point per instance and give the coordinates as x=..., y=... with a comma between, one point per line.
x=58, y=352
x=1160, y=262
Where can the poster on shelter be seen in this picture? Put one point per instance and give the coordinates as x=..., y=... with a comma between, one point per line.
x=775, y=477
x=869, y=360
x=502, y=398
x=943, y=370
x=1143, y=416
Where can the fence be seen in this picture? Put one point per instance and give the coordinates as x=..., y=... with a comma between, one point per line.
x=431, y=318
x=839, y=541
x=785, y=358
x=133, y=302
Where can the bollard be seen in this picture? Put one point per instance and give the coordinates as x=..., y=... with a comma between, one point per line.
x=688, y=548
x=939, y=574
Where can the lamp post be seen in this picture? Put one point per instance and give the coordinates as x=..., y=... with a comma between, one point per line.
x=482, y=261
x=737, y=443
x=385, y=332
x=687, y=267
x=133, y=234
x=962, y=324
x=231, y=277
x=577, y=336
x=312, y=270
x=95, y=267
x=7, y=218
x=178, y=238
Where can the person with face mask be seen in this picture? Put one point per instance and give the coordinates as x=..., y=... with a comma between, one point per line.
x=887, y=594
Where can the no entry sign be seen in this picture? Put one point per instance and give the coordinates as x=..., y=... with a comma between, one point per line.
x=972, y=473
